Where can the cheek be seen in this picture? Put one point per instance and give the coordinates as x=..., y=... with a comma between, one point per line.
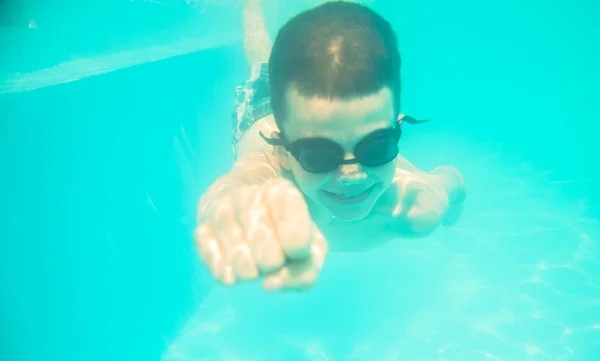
x=385, y=173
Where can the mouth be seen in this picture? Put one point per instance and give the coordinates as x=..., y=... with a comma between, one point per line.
x=352, y=197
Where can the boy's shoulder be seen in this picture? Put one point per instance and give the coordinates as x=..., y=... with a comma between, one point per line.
x=254, y=157
x=251, y=142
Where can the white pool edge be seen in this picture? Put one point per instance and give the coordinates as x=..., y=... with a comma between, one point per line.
x=78, y=69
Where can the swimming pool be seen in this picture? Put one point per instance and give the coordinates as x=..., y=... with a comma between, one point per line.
x=99, y=177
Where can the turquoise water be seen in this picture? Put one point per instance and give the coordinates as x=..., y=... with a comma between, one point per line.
x=99, y=177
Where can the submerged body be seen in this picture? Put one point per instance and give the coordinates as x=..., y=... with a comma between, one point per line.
x=317, y=167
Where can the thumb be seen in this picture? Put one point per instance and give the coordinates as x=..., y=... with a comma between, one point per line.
x=298, y=275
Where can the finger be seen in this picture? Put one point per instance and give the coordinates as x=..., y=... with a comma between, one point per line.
x=297, y=275
x=240, y=255
x=407, y=197
x=211, y=254
x=232, y=240
x=291, y=219
x=300, y=275
x=260, y=231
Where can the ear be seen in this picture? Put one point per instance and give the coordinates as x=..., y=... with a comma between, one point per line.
x=283, y=156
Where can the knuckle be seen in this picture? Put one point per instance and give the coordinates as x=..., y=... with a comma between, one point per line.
x=242, y=261
x=243, y=193
x=287, y=200
x=281, y=187
x=200, y=232
x=294, y=195
x=268, y=254
x=236, y=232
x=223, y=207
x=201, y=235
x=269, y=263
x=259, y=231
x=318, y=253
x=253, y=200
x=297, y=243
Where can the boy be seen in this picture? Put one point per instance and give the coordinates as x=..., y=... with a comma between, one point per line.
x=316, y=142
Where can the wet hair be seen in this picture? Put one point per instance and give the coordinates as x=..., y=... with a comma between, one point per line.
x=338, y=50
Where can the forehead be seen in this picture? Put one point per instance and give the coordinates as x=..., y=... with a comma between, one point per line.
x=344, y=121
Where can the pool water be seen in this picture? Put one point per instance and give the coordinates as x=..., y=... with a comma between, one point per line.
x=101, y=170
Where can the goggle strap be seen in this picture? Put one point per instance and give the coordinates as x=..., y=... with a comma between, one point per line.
x=274, y=141
x=411, y=120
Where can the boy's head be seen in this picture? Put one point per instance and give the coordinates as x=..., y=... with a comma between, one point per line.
x=335, y=74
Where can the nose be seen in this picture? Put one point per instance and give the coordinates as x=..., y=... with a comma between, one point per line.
x=351, y=174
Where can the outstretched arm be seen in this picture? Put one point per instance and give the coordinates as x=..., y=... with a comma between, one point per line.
x=257, y=42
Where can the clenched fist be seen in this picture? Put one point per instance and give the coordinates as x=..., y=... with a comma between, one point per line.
x=251, y=231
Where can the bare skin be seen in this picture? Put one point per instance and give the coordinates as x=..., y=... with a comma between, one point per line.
x=269, y=218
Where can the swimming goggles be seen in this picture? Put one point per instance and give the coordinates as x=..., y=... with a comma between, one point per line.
x=322, y=155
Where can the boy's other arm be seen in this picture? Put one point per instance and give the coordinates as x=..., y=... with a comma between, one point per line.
x=419, y=201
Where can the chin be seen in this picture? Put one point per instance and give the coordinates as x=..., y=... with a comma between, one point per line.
x=352, y=215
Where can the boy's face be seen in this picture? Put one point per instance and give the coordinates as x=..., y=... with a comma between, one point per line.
x=350, y=191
